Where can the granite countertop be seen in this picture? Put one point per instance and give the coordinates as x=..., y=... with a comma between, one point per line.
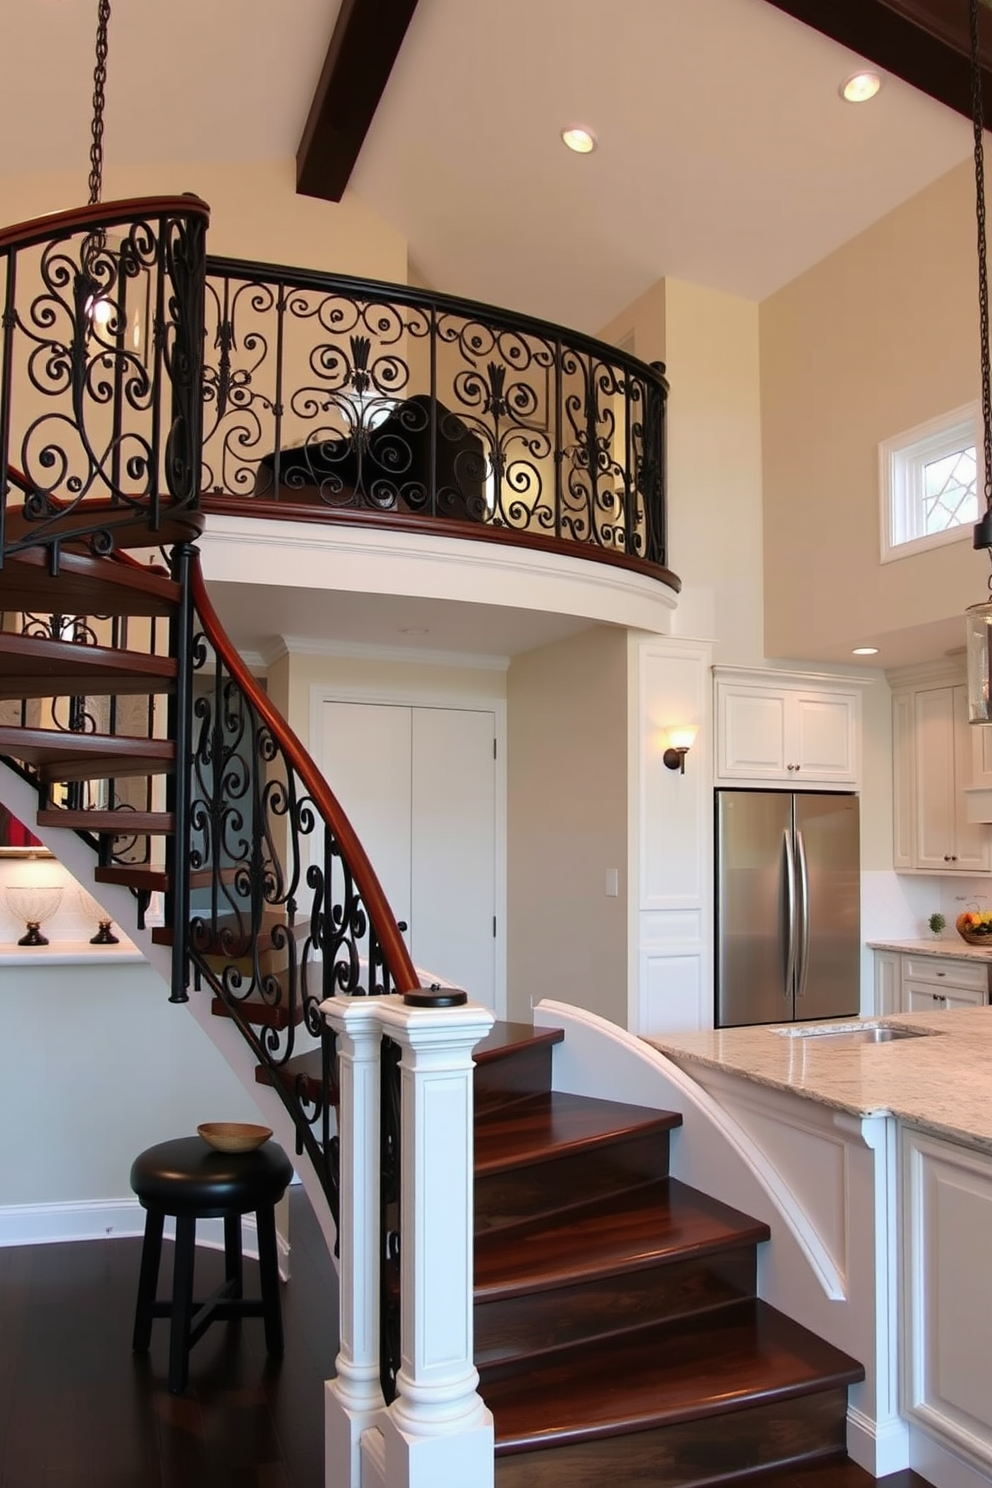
x=942, y=1084
x=952, y=948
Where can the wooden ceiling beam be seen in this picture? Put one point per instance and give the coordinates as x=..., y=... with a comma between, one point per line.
x=365, y=43
x=924, y=42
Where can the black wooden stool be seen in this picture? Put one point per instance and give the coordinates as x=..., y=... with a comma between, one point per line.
x=189, y=1180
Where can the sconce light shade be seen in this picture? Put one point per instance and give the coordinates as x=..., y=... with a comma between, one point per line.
x=681, y=738
x=979, y=621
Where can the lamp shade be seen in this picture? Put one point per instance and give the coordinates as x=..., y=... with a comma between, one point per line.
x=979, y=622
x=682, y=735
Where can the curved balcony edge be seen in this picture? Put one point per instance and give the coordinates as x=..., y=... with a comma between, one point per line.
x=444, y=527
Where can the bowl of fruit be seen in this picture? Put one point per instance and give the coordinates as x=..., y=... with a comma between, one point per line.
x=975, y=926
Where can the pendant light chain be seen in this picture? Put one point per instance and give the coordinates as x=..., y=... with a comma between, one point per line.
x=99, y=83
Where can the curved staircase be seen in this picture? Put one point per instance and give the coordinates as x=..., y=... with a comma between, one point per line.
x=616, y=1324
x=617, y=1329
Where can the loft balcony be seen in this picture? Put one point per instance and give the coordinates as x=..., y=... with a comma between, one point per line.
x=350, y=405
x=340, y=400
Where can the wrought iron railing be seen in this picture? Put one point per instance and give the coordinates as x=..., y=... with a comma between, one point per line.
x=284, y=908
x=355, y=400
x=101, y=336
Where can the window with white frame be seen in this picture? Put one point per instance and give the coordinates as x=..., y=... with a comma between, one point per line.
x=929, y=484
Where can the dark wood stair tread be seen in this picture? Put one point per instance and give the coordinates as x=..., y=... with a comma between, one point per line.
x=139, y=876
x=504, y=1039
x=151, y=880
x=259, y=1011
x=130, y=524
x=725, y=1360
x=233, y=937
x=37, y=667
x=543, y=1126
x=116, y=823
x=304, y=1072
x=69, y=756
x=513, y=1062
x=84, y=586
x=625, y=1232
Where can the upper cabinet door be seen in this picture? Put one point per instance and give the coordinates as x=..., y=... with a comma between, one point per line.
x=752, y=726
x=826, y=735
x=795, y=734
x=933, y=763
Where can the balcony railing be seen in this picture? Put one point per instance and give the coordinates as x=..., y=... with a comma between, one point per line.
x=101, y=332
x=358, y=401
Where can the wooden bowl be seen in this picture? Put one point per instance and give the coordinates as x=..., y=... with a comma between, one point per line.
x=233, y=1136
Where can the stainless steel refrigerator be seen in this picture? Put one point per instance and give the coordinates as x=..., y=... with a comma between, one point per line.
x=788, y=906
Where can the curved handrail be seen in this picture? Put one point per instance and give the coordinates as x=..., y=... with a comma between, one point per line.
x=384, y=291
x=54, y=225
x=390, y=939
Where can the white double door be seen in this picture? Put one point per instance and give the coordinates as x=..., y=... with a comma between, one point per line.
x=419, y=786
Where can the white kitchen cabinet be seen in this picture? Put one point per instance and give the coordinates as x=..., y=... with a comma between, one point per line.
x=947, y=1334
x=930, y=982
x=933, y=750
x=794, y=728
x=888, y=983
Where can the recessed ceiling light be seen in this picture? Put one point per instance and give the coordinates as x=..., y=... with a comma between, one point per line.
x=865, y=651
x=860, y=87
x=582, y=141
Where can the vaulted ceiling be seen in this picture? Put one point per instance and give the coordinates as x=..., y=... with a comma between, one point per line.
x=725, y=154
x=927, y=43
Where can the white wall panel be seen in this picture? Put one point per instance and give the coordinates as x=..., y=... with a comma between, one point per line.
x=671, y=839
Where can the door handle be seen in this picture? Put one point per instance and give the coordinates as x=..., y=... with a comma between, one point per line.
x=803, y=915
x=790, y=891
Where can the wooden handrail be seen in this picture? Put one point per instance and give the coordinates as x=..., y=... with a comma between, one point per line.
x=77, y=219
x=390, y=939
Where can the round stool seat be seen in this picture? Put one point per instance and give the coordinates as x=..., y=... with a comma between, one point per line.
x=186, y=1177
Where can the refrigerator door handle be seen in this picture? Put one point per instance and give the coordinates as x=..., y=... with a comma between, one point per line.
x=803, y=914
x=790, y=891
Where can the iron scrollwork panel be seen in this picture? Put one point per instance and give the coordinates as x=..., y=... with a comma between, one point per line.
x=393, y=401
x=276, y=920
x=101, y=376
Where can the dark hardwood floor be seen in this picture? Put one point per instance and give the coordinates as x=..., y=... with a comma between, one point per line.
x=78, y=1410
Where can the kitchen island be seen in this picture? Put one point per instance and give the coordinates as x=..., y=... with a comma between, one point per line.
x=940, y=1083
x=884, y=1154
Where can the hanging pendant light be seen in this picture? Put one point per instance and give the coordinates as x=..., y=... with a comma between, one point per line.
x=979, y=616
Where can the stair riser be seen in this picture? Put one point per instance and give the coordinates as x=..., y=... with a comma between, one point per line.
x=690, y=1453
x=512, y=1329
x=519, y=1073
x=523, y=1193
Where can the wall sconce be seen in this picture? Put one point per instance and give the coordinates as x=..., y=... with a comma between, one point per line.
x=681, y=738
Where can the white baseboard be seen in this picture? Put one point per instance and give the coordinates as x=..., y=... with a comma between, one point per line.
x=880, y=1447
x=940, y=1465
x=113, y=1219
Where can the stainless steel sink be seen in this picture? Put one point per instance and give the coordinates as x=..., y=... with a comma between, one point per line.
x=868, y=1033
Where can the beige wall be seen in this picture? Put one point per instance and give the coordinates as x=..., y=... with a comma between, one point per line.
x=709, y=343
x=875, y=339
x=255, y=212
x=567, y=824
x=292, y=677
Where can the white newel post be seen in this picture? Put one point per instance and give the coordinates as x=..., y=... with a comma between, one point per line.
x=353, y=1399
x=437, y=1433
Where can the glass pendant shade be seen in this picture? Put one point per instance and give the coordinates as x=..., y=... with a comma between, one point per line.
x=979, y=621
